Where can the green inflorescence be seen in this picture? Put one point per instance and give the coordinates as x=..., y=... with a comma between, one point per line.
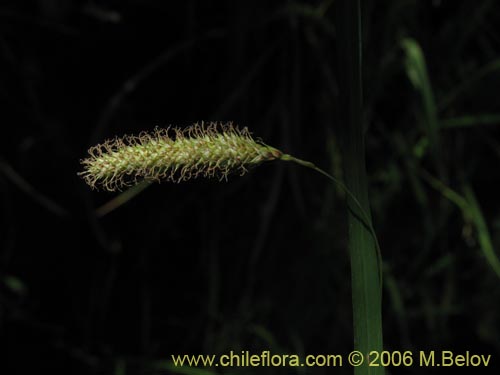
x=213, y=150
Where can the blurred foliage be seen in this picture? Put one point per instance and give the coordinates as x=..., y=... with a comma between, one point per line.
x=259, y=263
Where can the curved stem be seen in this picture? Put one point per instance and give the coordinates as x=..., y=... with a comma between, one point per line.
x=365, y=219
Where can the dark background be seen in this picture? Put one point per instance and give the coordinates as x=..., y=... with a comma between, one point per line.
x=259, y=262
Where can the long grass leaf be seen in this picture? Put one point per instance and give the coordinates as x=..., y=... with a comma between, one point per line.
x=365, y=266
x=482, y=230
x=471, y=211
x=471, y=121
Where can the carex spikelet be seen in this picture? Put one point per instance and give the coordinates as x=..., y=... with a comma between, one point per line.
x=213, y=150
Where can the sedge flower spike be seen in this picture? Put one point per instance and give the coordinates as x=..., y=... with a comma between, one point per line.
x=213, y=150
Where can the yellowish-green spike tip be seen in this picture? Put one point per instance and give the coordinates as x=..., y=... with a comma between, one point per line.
x=213, y=150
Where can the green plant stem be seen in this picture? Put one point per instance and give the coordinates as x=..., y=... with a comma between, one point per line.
x=365, y=217
x=122, y=198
